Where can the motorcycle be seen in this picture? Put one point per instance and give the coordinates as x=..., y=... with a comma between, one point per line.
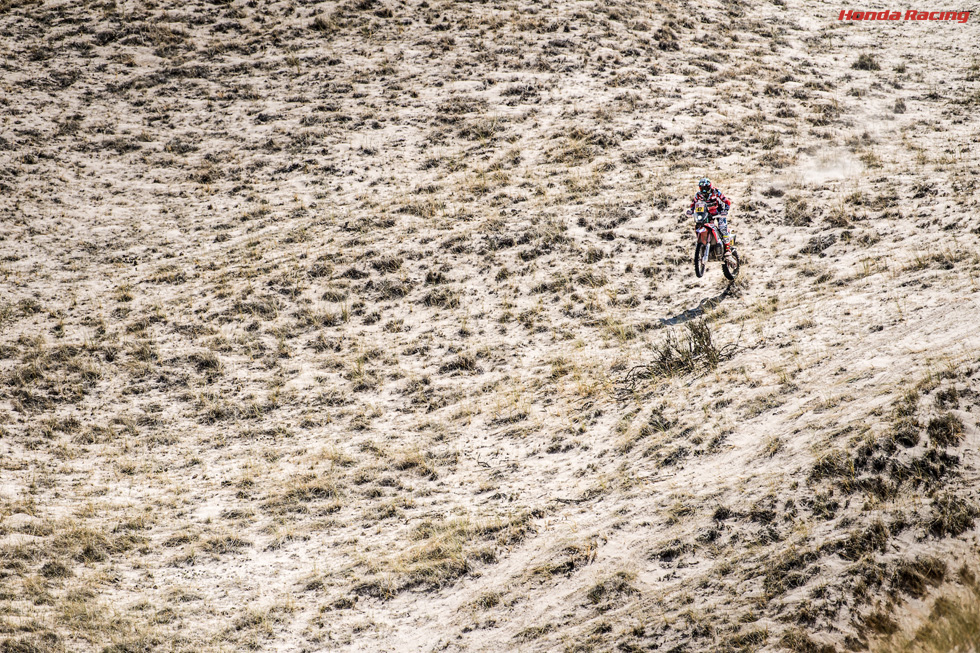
x=709, y=245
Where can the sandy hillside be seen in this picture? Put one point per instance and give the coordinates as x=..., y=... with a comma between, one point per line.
x=368, y=326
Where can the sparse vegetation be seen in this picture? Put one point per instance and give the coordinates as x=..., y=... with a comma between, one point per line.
x=866, y=61
x=348, y=325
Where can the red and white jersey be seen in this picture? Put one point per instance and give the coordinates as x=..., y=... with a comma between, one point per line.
x=715, y=202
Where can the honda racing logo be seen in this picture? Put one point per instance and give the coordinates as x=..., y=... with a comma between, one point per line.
x=911, y=14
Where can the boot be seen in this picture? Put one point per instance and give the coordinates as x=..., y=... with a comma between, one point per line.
x=729, y=259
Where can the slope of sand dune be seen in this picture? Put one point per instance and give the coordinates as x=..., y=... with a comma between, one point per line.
x=372, y=325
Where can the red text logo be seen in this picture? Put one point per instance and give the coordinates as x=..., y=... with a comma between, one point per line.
x=911, y=14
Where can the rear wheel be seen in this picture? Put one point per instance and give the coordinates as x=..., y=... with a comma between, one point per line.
x=731, y=271
x=699, y=257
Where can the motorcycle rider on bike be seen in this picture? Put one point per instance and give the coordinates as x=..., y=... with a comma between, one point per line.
x=717, y=206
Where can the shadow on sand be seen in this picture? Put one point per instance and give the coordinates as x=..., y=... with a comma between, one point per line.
x=706, y=304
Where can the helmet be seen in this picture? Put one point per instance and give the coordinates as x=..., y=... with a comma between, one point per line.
x=705, y=185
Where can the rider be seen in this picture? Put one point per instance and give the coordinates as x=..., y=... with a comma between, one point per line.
x=717, y=206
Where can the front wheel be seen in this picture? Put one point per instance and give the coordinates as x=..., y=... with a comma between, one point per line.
x=699, y=258
x=732, y=271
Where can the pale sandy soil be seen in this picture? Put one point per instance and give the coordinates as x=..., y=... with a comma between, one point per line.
x=317, y=323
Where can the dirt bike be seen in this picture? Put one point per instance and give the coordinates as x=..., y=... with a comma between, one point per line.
x=710, y=246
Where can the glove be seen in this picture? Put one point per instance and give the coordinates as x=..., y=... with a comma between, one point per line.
x=690, y=212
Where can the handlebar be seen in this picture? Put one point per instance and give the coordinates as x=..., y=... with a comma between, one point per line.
x=707, y=218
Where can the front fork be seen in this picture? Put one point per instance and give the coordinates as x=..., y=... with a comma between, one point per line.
x=705, y=246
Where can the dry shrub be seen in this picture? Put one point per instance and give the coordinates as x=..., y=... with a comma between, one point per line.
x=698, y=351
